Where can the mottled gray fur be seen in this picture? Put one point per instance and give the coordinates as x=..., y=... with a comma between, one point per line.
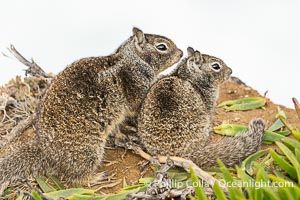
x=176, y=115
x=84, y=104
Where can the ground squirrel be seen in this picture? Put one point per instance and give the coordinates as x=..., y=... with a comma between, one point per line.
x=84, y=103
x=176, y=115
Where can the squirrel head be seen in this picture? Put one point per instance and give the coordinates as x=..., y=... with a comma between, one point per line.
x=158, y=51
x=203, y=70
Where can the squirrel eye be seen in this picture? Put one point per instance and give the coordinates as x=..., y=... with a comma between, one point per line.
x=216, y=67
x=162, y=47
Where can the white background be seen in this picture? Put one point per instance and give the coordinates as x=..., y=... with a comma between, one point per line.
x=259, y=40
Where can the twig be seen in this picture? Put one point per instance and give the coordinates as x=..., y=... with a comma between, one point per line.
x=184, y=192
x=297, y=106
x=140, y=195
x=184, y=163
x=161, y=187
x=33, y=68
x=100, y=178
x=17, y=130
x=109, y=163
x=109, y=185
x=5, y=101
x=162, y=182
x=22, y=110
x=181, y=192
x=31, y=187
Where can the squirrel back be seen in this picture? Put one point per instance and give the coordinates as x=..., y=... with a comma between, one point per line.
x=176, y=116
x=82, y=106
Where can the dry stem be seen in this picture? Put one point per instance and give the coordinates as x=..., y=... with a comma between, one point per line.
x=21, y=110
x=297, y=106
x=184, y=163
x=33, y=68
x=17, y=130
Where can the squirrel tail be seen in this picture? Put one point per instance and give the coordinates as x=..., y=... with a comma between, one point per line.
x=21, y=162
x=232, y=150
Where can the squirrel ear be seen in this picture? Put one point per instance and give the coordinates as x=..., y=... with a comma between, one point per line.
x=139, y=35
x=190, y=51
x=198, y=57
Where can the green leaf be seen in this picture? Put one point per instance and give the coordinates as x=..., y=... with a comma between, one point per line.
x=261, y=174
x=292, y=143
x=219, y=192
x=197, y=185
x=233, y=129
x=8, y=191
x=43, y=185
x=259, y=194
x=262, y=178
x=285, y=193
x=248, y=103
x=88, y=197
x=230, y=129
x=296, y=133
x=20, y=197
x=57, y=183
x=284, y=133
x=276, y=126
x=241, y=174
x=272, y=136
x=267, y=142
x=68, y=193
x=282, y=114
x=36, y=195
x=295, y=190
x=292, y=158
x=146, y=180
x=282, y=176
x=132, y=187
x=247, y=163
x=292, y=187
x=278, y=179
x=178, y=176
x=266, y=161
x=192, y=198
x=297, y=153
x=234, y=192
x=283, y=164
x=121, y=195
x=270, y=193
x=124, y=183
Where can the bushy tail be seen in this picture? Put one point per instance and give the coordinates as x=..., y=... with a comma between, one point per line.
x=21, y=162
x=232, y=150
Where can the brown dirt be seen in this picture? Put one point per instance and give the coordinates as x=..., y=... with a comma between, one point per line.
x=123, y=164
x=229, y=91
